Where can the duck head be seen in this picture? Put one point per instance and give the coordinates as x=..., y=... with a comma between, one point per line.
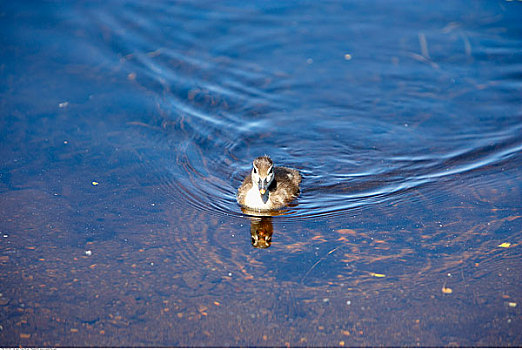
x=263, y=175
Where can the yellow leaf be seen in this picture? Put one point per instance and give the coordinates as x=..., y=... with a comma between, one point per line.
x=447, y=290
x=377, y=274
x=505, y=245
x=94, y=183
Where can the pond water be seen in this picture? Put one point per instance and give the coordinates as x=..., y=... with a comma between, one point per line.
x=127, y=127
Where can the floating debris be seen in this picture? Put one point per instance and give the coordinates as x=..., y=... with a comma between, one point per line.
x=447, y=290
x=512, y=304
x=505, y=245
x=154, y=53
x=94, y=183
x=63, y=104
x=380, y=275
x=347, y=57
x=88, y=252
x=423, y=45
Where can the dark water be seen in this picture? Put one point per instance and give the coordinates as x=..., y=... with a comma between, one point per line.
x=127, y=126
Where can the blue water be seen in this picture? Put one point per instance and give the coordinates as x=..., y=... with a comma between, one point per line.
x=127, y=127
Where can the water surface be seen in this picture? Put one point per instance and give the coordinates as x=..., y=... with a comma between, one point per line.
x=126, y=128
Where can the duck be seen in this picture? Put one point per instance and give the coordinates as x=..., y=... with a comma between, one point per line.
x=268, y=187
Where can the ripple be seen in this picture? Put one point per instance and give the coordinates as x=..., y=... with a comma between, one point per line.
x=205, y=171
x=208, y=186
x=216, y=111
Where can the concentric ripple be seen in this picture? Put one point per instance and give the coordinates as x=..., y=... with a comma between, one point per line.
x=216, y=110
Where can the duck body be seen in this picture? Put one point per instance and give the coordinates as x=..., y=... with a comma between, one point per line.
x=268, y=187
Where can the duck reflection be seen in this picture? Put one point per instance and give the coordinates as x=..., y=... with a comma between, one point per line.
x=261, y=227
x=261, y=230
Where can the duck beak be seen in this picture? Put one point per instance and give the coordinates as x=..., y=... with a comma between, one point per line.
x=263, y=187
x=264, y=193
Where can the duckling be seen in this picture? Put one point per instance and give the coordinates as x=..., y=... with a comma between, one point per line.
x=268, y=187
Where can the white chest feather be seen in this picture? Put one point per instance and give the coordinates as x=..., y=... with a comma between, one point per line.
x=253, y=199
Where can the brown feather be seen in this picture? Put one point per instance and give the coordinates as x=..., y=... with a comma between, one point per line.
x=283, y=189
